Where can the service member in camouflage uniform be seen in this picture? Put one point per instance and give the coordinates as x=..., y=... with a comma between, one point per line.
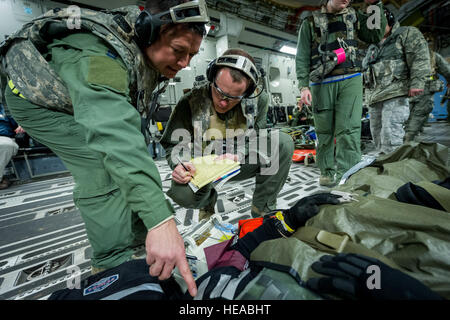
x=328, y=70
x=79, y=83
x=215, y=108
x=420, y=107
x=399, y=68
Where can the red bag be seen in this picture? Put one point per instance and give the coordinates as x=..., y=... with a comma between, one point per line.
x=248, y=225
x=301, y=154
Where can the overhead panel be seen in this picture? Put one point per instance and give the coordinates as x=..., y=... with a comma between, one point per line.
x=294, y=4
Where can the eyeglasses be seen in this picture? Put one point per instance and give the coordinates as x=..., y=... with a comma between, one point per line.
x=225, y=96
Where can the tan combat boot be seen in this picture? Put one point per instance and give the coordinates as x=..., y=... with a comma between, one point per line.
x=4, y=184
x=206, y=213
x=256, y=213
x=327, y=181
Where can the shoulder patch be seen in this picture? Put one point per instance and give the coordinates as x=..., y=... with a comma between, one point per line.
x=111, y=54
x=100, y=285
x=108, y=72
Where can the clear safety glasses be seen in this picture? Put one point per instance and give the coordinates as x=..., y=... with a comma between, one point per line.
x=225, y=96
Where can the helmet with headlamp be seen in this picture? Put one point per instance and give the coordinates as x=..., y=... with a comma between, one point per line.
x=148, y=25
x=238, y=62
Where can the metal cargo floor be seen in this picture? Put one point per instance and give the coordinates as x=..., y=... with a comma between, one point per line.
x=42, y=232
x=43, y=235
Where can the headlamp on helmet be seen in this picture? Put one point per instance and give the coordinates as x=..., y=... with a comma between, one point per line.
x=237, y=62
x=147, y=25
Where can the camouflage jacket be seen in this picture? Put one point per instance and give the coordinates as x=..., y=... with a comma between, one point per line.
x=40, y=84
x=400, y=63
x=195, y=113
x=438, y=66
x=442, y=66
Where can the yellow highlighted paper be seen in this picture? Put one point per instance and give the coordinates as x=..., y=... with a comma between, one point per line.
x=208, y=169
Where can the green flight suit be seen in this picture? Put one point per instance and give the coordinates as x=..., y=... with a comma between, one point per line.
x=336, y=102
x=197, y=104
x=118, y=188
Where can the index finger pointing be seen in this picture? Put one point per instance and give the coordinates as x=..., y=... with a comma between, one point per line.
x=187, y=276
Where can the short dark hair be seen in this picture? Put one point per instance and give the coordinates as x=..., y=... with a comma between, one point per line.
x=158, y=6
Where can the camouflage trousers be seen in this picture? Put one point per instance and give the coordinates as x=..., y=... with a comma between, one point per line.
x=420, y=108
x=387, y=119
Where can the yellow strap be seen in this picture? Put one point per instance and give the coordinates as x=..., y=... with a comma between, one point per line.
x=160, y=126
x=279, y=216
x=14, y=89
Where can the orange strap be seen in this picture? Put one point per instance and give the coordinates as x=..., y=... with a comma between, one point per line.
x=248, y=225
